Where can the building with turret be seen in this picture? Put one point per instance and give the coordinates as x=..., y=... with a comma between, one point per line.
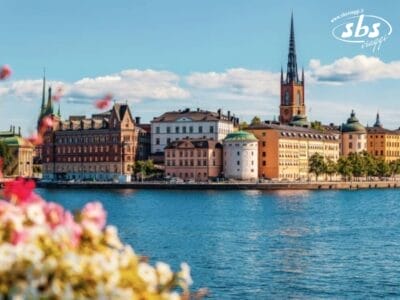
x=354, y=136
x=292, y=86
x=383, y=143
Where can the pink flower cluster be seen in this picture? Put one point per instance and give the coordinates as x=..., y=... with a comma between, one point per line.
x=25, y=215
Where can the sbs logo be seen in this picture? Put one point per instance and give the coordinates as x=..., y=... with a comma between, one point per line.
x=367, y=30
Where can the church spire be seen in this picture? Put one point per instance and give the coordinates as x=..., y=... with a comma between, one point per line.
x=49, y=107
x=378, y=121
x=292, y=75
x=43, y=107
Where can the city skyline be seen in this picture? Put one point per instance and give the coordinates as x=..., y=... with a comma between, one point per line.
x=205, y=64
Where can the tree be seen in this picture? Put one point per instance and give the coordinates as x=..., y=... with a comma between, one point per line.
x=256, y=121
x=383, y=169
x=6, y=157
x=395, y=167
x=243, y=125
x=317, y=164
x=370, y=164
x=357, y=164
x=344, y=167
x=331, y=168
x=144, y=167
x=317, y=125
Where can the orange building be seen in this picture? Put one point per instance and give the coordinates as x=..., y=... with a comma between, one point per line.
x=197, y=160
x=383, y=143
x=284, y=151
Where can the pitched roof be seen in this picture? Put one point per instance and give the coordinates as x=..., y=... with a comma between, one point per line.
x=193, y=115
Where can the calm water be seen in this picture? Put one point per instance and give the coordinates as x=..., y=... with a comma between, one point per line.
x=259, y=245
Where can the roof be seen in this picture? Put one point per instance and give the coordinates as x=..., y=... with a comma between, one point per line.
x=300, y=120
x=295, y=131
x=15, y=141
x=197, y=144
x=194, y=115
x=381, y=130
x=240, y=136
x=353, y=125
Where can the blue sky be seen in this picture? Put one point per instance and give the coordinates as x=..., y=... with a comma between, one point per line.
x=162, y=55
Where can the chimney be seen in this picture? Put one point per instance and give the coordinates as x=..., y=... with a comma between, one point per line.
x=229, y=115
x=219, y=113
x=19, y=130
x=13, y=130
x=137, y=120
x=198, y=109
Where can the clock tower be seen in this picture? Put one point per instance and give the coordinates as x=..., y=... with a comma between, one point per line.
x=292, y=88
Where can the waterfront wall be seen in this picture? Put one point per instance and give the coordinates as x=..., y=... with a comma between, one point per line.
x=226, y=186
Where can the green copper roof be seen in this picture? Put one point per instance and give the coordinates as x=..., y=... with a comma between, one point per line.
x=299, y=120
x=240, y=136
x=14, y=141
x=353, y=125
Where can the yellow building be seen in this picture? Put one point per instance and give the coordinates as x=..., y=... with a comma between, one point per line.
x=22, y=152
x=284, y=151
x=383, y=143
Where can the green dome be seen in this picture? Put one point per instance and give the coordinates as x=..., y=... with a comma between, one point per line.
x=240, y=136
x=299, y=120
x=353, y=125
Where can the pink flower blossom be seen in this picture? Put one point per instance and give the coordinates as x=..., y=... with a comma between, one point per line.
x=76, y=229
x=94, y=212
x=54, y=214
x=35, y=139
x=18, y=237
x=5, y=72
x=104, y=102
x=20, y=191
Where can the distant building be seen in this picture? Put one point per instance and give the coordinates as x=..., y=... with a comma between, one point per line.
x=102, y=147
x=198, y=160
x=383, y=143
x=241, y=156
x=284, y=151
x=187, y=124
x=22, y=152
x=354, y=136
x=144, y=140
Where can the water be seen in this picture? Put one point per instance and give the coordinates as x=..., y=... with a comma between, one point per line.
x=263, y=245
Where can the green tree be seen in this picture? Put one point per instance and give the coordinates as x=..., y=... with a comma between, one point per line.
x=6, y=157
x=317, y=165
x=357, y=164
x=243, y=125
x=395, y=167
x=383, y=168
x=370, y=164
x=256, y=121
x=144, y=167
x=331, y=168
x=344, y=167
x=317, y=125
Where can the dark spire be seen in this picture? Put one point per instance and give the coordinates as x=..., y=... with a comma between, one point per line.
x=281, y=74
x=59, y=110
x=292, y=74
x=49, y=107
x=378, y=121
x=43, y=107
x=302, y=74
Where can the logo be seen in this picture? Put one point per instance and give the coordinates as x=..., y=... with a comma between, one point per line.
x=356, y=27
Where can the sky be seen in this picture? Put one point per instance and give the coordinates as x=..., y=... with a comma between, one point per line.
x=169, y=55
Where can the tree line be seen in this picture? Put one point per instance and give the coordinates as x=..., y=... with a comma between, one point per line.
x=355, y=166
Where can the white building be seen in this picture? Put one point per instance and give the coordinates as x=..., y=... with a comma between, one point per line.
x=187, y=124
x=241, y=156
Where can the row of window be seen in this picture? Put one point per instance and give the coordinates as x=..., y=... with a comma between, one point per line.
x=184, y=129
x=169, y=140
x=188, y=162
x=90, y=139
x=91, y=159
x=187, y=153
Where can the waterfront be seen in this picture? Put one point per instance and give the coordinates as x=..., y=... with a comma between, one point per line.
x=258, y=245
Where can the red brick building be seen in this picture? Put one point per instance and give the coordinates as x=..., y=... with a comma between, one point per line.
x=102, y=147
x=198, y=160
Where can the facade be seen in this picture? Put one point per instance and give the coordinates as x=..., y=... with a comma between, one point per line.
x=354, y=136
x=292, y=88
x=188, y=124
x=241, y=156
x=284, y=151
x=383, y=143
x=193, y=160
x=144, y=140
x=102, y=147
x=22, y=152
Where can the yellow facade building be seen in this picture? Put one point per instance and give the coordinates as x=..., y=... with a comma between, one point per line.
x=284, y=151
x=383, y=143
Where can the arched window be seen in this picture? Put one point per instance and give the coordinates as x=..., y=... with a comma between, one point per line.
x=298, y=98
x=286, y=100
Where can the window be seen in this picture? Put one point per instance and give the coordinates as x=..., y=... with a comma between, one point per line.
x=177, y=129
x=211, y=129
x=157, y=141
x=264, y=163
x=168, y=129
x=184, y=129
x=350, y=145
x=190, y=129
x=264, y=144
x=168, y=140
x=264, y=154
x=238, y=153
x=238, y=162
x=200, y=129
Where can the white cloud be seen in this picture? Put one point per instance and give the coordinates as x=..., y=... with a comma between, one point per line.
x=238, y=81
x=357, y=68
x=131, y=85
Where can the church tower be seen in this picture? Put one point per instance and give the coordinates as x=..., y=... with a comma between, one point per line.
x=292, y=88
